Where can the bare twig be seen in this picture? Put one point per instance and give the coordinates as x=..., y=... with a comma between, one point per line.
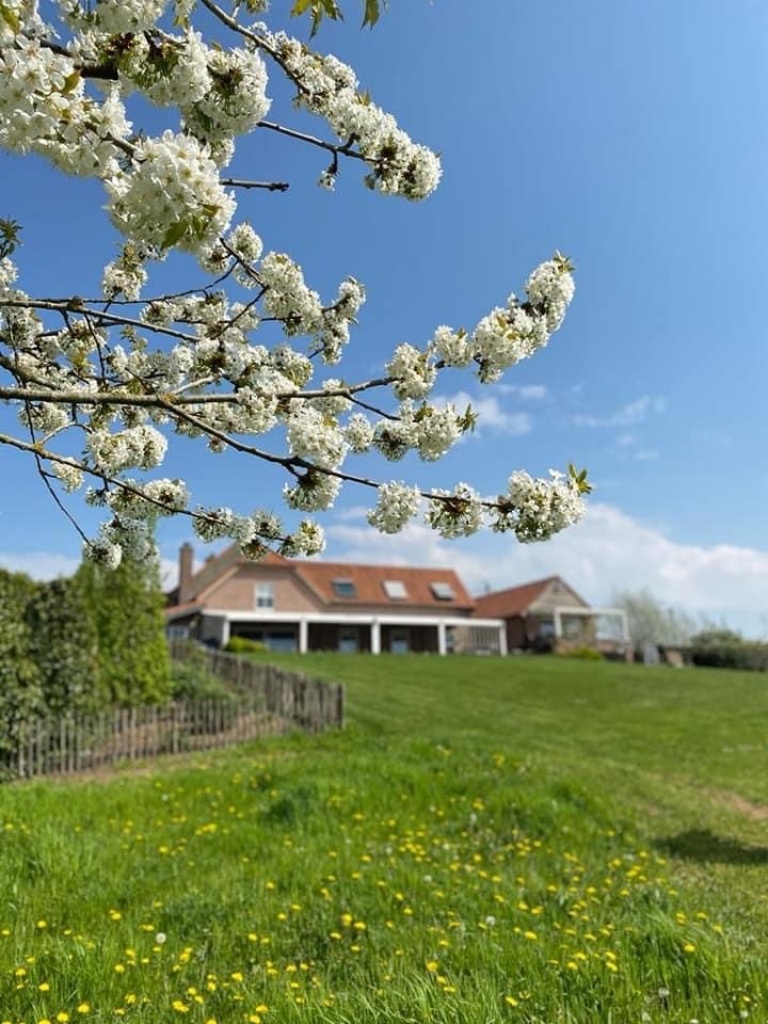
x=270, y=186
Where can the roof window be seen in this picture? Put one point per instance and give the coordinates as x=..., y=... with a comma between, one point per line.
x=344, y=588
x=442, y=591
x=395, y=590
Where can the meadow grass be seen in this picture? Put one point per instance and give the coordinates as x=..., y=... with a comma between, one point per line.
x=489, y=840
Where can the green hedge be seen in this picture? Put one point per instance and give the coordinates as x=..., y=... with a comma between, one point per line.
x=749, y=656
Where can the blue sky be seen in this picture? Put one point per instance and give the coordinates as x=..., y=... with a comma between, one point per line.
x=634, y=138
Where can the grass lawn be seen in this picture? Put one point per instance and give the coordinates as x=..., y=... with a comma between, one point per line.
x=489, y=840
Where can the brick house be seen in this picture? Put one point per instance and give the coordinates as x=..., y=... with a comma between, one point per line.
x=548, y=615
x=295, y=605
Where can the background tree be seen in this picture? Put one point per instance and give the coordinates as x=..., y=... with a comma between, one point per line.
x=101, y=382
x=126, y=608
x=63, y=644
x=651, y=622
x=21, y=696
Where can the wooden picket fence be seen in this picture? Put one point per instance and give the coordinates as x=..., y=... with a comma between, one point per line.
x=265, y=701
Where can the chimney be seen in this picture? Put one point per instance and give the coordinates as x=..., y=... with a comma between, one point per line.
x=186, y=572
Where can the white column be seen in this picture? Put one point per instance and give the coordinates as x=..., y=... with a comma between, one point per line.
x=441, y=644
x=558, y=623
x=375, y=637
x=224, y=632
x=503, y=639
x=303, y=635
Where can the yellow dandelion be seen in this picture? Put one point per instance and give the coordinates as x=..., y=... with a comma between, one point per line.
x=511, y=1001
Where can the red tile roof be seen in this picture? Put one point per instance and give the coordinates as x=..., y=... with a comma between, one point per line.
x=368, y=582
x=503, y=604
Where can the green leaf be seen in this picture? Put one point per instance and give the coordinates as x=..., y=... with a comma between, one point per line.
x=10, y=17
x=70, y=83
x=319, y=10
x=174, y=234
x=372, y=12
x=579, y=478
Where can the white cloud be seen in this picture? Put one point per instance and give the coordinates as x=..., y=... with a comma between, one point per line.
x=627, y=415
x=608, y=551
x=47, y=565
x=40, y=565
x=645, y=455
x=525, y=392
x=491, y=415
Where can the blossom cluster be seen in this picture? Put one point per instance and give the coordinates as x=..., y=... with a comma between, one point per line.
x=103, y=383
x=533, y=509
x=328, y=87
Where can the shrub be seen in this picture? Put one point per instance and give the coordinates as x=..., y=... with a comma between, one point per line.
x=192, y=681
x=751, y=657
x=584, y=653
x=242, y=645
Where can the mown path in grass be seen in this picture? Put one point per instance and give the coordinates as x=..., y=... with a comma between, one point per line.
x=534, y=840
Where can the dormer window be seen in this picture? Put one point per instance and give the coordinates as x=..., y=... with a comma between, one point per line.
x=395, y=590
x=344, y=588
x=442, y=591
x=264, y=595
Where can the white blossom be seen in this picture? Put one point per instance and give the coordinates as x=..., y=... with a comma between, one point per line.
x=397, y=504
x=358, y=433
x=308, y=540
x=537, y=509
x=313, y=435
x=235, y=100
x=171, y=196
x=171, y=71
x=143, y=446
x=70, y=474
x=287, y=297
x=456, y=513
x=313, y=492
x=452, y=347
x=116, y=17
x=414, y=374
x=436, y=430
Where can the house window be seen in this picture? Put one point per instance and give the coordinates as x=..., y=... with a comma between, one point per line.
x=349, y=641
x=264, y=595
x=395, y=590
x=442, y=591
x=174, y=632
x=400, y=641
x=344, y=588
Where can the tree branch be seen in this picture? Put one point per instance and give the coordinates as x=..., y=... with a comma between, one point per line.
x=270, y=186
